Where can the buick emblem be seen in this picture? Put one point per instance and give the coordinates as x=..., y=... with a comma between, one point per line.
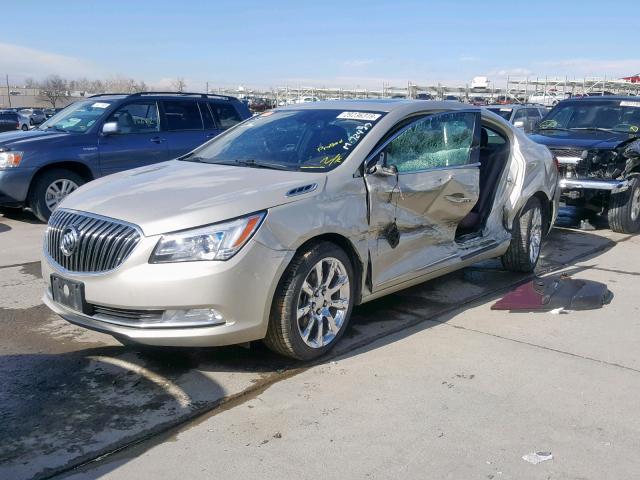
x=69, y=240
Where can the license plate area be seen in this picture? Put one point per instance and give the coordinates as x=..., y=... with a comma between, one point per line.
x=68, y=293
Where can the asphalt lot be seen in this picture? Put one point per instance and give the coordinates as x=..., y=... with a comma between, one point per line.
x=472, y=389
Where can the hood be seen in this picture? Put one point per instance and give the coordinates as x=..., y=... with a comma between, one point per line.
x=584, y=139
x=179, y=195
x=15, y=140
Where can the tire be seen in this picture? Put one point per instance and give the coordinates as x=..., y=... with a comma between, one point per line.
x=526, y=239
x=39, y=199
x=24, y=127
x=624, y=209
x=312, y=334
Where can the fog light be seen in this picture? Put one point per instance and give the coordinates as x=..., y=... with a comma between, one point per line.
x=196, y=317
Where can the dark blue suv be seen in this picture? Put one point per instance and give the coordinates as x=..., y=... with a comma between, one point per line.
x=105, y=134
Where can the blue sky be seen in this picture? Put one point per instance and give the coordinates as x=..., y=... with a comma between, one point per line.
x=332, y=43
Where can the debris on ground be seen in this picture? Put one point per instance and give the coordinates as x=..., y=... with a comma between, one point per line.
x=555, y=294
x=277, y=435
x=537, y=457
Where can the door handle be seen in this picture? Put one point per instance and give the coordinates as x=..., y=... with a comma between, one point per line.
x=458, y=198
x=157, y=139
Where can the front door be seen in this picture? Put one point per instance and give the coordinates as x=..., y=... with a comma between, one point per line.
x=414, y=213
x=138, y=140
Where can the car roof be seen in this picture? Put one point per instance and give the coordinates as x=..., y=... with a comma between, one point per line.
x=382, y=105
x=603, y=97
x=165, y=95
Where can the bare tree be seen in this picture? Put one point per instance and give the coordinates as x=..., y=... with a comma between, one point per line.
x=179, y=84
x=123, y=85
x=53, y=89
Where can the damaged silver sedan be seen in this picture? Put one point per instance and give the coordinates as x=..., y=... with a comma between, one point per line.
x=277, y=228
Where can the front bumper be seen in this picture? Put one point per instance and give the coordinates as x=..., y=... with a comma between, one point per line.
x=14, y=185
x=241, y=289
x=606, y=185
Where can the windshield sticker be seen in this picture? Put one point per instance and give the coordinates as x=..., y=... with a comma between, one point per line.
x=100, y=105
x=322, y=148
x=329, y=161
x=548, y=124
x=360, y=131
x=505, y=109
x=627, y=103
x=372, y=117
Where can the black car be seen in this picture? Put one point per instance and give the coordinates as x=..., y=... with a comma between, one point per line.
x=596, y=141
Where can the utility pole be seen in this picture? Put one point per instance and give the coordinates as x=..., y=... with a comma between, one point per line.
x=207, y=90
x=8, y=93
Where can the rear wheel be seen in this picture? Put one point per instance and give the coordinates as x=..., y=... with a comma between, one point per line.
x=624, y=208
x=24, y=127
x=313, y=303
x=50, y=188
x=526, y=239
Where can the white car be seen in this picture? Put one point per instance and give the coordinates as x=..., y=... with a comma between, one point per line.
x=549, y=99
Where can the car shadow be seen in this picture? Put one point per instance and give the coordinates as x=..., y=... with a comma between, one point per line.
x=21, y=215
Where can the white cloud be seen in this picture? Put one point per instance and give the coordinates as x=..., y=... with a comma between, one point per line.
x=510, y=72
x=16, y=60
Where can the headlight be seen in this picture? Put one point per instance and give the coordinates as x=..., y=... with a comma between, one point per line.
x=215, y=242
x=10, y=159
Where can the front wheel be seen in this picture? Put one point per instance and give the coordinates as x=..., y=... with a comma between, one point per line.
x=312, y=304
x=50, y=189
x=624, y=209
x=526, y=239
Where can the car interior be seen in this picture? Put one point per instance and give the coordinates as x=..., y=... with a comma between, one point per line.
x=494, y=155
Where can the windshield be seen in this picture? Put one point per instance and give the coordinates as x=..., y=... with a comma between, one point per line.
x=503, y=112
x=303, y=140
x=78, y=117
x=612, y=115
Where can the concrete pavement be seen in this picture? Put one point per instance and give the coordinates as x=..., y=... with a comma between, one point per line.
x=463, y=395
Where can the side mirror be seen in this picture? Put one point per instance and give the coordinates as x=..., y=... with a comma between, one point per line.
x=518, y=124
x=110, y=128
x=379, y=167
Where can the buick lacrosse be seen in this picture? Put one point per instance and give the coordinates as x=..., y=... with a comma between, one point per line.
x=275, y=229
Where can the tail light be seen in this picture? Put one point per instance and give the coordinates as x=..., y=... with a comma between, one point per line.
x=17, y=125
x=556, y=163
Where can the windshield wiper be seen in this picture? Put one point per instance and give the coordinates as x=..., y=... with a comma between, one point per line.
x=57, y=128
x=593, y=129
x=255, y=164
x=554, y=128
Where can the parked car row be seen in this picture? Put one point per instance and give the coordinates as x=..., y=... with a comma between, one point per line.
x=105, y=134
x=11, y=120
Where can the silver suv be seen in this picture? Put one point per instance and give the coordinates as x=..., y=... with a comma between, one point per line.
x=278, y=227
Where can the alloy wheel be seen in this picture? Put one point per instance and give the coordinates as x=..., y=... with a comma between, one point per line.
x=635, y=205
x=535, y=235
x=323, y=303
x=57, y=191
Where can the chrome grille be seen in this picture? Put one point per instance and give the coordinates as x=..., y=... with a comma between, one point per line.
x=567, y=152
x=127, y=314
x=102, y=244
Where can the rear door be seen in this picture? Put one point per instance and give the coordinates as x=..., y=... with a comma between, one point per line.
x=182, y=125
x=414, y=214
x=138, y=140
x=6, y=122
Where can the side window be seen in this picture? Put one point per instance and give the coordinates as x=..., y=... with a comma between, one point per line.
x=137, y=117
x=436, y=141
x=520, y=115
x=226, y=114
x=182, y=115
x=207, y=117
x=534, y=114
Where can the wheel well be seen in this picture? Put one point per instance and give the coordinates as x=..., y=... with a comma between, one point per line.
x=345, y=244
x=76, y=167
x=547, y=209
